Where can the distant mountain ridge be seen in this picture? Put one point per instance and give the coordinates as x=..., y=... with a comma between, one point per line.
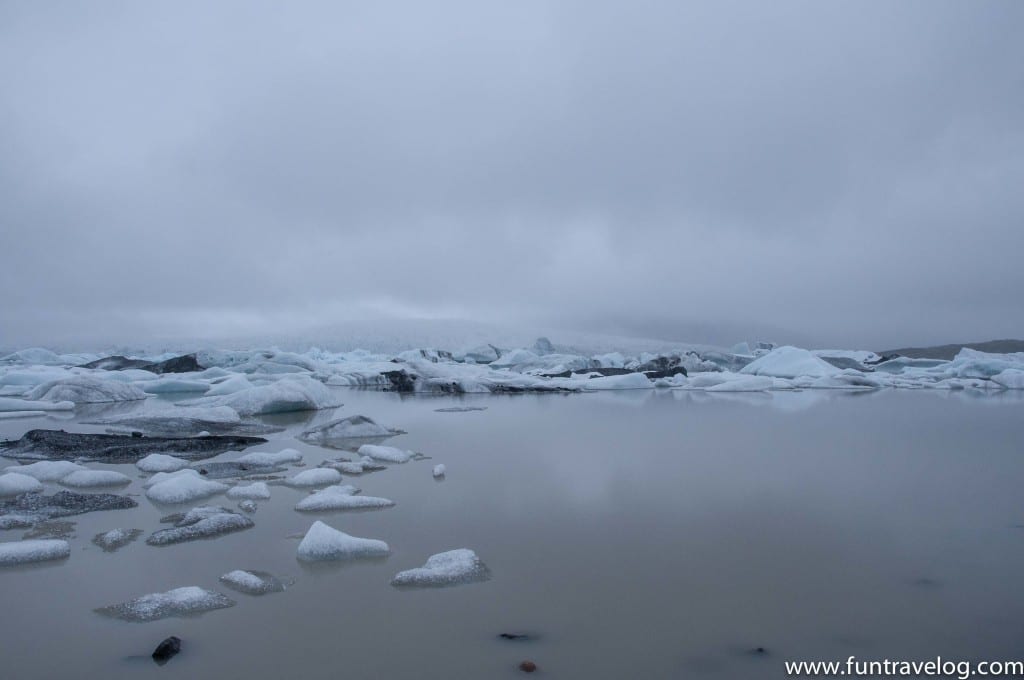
x=949, y=351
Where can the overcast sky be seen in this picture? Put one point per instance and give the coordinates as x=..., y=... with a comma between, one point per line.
x=828, y=173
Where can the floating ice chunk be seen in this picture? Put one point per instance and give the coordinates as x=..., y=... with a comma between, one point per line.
x=252, y=582
x=25, y=552
x=754, y=383
x=32, y=355
x=254, y=491
x=326, y=543
x=271, y=459
x=183, y=489
x=315, y=477
x=83, y=479
x=445, y=569
x=177, y=602
x=13, y=483
x=628, y=381
x=63, y=504
x=790, y=362
x=47, y=470
x=353, y=427
x=116, y=538
x=205, y=521
x=173, y=386
x=440, y=470
x=8, y=404
x=165, y=476
x=388, y=454
x=292, y=393
x=345, y=466
x=247, y=506
x=11, y=415
x=233, y=384
x=1010, y=378
x=340, y=498
x=84, y=389
x=160, y=462
x=18, y=521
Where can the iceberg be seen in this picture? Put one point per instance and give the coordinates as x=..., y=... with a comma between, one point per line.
x=177, y=602
x=340, y=498
x=1010, y=378
x=83, y=389
x=440, y=470
x=291, y=393
x=449, y=568
x=8, y=404
x=324, y=543
x=27, y=552
x=47, y=470
x=790, y=362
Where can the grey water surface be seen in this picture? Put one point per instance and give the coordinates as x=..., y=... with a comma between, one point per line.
x=640, y=534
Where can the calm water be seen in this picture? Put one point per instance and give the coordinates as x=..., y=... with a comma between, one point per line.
x=638, y=534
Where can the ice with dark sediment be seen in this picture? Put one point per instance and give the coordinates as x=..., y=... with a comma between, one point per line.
x=115, y=448
x=201, y=522
x=253, y=582
x=189, y=600
x=115, y=539
x=449, y=568
x=338, y=433
x=62, y=504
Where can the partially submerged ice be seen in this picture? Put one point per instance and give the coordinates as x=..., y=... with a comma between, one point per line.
x=27, y=552
x=324, y=543
x=253, y=582
x=161, y=462
x=62, y=504
x=338, y=432
x=116, y=448
x=256, y=491
x=387, y=454
x=177, y=602
x=449, y=568
x=340, y=497
x=201, y=522
x=267, y=458
x=47, y=470
x=115, y=539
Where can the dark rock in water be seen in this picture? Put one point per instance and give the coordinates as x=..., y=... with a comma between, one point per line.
x=235, y=469
x=202, y=522
x=519, y=637
x=166, y=649
x=400, y=381
x=184, y=364
x=117, y=363
x=63, y=504
x=759, y=651
x=116, y=448
x=528, y=667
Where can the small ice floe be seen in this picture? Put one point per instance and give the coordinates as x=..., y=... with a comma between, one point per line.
x=161, y=462
x=26, y=552
x=353, y=427
x=254, y=491
x=388, y=454
x=62, y=504
x=86, y=479
x=47, y=470
x=460, y=409
x=21, y=405
x=205, y=521
x=183, y=489
x=229, y=469
x=253, y=582
x=440, y=470
x=340, y=497
x=177, y=602
x=248, y=506
x=116, y=539
x=323, y=543
x=315, y=477
x=269, y=459
x=445, y=569
x=14, y=483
